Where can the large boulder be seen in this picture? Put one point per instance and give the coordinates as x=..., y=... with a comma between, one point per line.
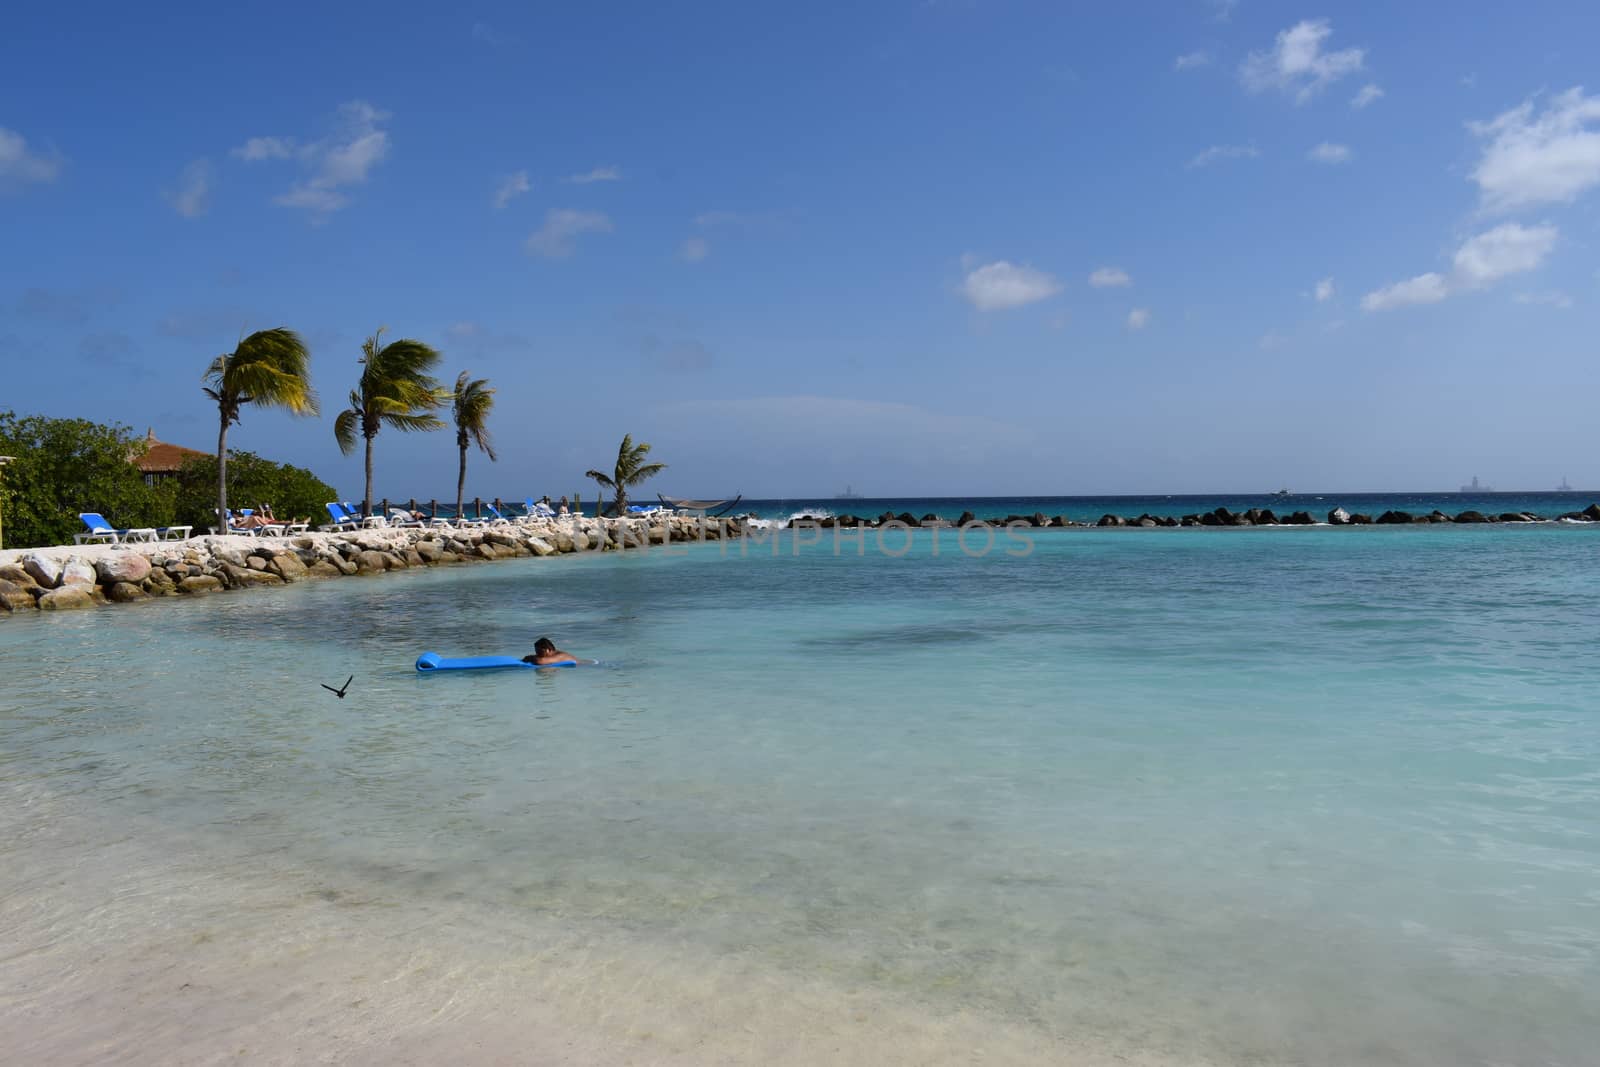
x=45, y=571
x=1394, y=518
x=1359, y=519
x=287, y=565
x=1338, y=517
x=77, y=572
x=370, y=561
x=14, y=597
x=1592, y=512
x=541, y=547
x=429, y=550
x=1112, y=520
x=67, y=598
x=199, y=583
x=1472, y=516
x=13, y=572
x=130, y=567
x=1516, y=516
x=125, y=592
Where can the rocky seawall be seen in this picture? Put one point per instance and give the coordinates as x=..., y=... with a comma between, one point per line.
x=1219, y=517
x=85, y=576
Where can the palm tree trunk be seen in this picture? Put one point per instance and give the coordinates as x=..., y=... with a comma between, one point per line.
x=366, y=505
x=461, y=481
x=222, y=475
x=622, y=501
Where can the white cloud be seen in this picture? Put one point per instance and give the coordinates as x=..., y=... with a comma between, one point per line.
x=1480, y=261
x=598, y=174
x=1370, y=94
x=555, y=239
x=21, y=166
x=463, y=330
x=1107, y=277
x=694, y=250
x=1297, y=64
x=343, y=158
x=1549, y=157
x=1000, y=285
x=1191, y=60
x=1324, y=290
x=1427, y=288
x=512, y=187
x=1138, y=318
x=193, y=195
x=1327, y=152
x=1552, y=298
x=258, y=148
x=1224, y=9
x=1223, y=151
x=1507, y=249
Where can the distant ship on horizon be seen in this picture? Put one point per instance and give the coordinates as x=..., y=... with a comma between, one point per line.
x=1564, y=487
x=848, y=494
x=1476, y=488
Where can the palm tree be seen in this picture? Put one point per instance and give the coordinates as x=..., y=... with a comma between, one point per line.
x=472, y=402
x=396, y=390
x=631, y=470
x=269, y=368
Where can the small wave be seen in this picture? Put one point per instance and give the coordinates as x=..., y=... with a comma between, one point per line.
x=787, y=521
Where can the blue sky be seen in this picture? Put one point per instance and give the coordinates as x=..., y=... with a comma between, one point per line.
x=920, y=248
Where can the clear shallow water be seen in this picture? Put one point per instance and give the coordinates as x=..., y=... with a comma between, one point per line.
x=1263, y=796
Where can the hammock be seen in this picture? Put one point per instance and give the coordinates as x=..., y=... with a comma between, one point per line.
x=717, y=508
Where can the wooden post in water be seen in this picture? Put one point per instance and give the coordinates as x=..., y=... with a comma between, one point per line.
x=433, y=509
x=383, y=507
x=413, y=507
x=477, y=507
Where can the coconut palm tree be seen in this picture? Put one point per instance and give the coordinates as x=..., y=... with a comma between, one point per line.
x=270, y=368
x=395, y=390
x=631, y=470
x=472, y=401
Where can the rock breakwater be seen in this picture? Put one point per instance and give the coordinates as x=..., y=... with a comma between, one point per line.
x=87, y=576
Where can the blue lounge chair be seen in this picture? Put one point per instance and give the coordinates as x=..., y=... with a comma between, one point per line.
x=342, y=519
x=541, y=510
x=98, y=530
x=499, y=519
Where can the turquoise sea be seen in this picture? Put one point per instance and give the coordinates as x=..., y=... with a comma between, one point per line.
x=1257, y=796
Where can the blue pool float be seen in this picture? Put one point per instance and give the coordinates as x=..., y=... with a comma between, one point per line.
x=432, y=661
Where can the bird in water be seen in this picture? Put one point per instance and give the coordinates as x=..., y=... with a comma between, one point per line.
x=340, y=691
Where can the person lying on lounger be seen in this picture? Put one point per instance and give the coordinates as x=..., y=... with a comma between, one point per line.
x=546, y=654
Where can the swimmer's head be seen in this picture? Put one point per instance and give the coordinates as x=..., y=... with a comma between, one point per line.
x=544, y=646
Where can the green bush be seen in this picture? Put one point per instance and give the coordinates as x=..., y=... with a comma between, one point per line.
x=293, y=492
x=65, y=466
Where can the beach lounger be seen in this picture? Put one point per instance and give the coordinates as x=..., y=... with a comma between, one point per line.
x=541, y=510
x=371, y=522
x=402, y=517
x=291, y=527
x=497, y=520
x=342, y=519
x=98, y=530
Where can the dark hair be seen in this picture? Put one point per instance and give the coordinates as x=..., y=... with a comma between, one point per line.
x=543, y=645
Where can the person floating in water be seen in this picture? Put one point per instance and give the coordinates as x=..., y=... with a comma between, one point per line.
x=546, y=654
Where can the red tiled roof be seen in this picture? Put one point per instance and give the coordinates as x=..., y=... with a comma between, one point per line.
x=162, y=458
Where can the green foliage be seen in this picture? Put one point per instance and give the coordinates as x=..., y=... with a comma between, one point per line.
x=631, y=470
x=65, y=466
x=293, y=492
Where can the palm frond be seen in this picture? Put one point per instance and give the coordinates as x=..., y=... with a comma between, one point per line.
x=603, y=479
x=642, y=474
x=346, y=429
